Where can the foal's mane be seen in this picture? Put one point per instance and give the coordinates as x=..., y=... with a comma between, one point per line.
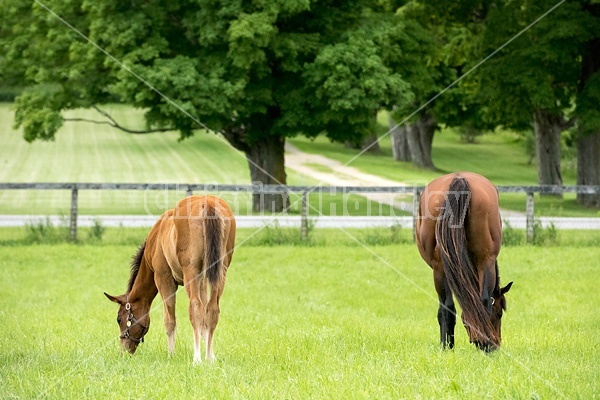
x=136, y=261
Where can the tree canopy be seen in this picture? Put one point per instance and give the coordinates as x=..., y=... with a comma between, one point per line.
x=256, y=72
x=540, y=73
x=259, y=72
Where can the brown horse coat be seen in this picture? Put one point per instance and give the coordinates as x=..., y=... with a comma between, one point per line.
x=190, y=245
x=459, y=233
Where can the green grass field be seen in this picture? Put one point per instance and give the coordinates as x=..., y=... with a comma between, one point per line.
x=333, y=320
x=500, y=157
x=84, y=152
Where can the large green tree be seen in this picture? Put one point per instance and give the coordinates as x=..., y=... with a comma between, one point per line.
x=534, y=78
x=445, y=37
x=537, y=79
x=412, y=136
x=254, y=71
x=544, y=77
x=588, y=113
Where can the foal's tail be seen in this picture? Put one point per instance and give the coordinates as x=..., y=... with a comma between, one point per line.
x=213, y=237
x=460, y=273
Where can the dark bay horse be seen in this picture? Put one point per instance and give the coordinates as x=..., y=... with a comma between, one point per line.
x=190, y=245
x=459, y=233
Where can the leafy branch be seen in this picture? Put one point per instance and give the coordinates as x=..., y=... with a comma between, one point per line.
x=112, y=122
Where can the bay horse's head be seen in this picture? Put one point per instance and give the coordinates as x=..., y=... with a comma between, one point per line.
x=498, y=307
x=495, y=306
x=133, y=322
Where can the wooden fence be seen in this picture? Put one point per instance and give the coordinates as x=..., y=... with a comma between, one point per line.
x=305, y=191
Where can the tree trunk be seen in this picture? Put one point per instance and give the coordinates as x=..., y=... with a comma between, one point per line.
x=547, y=143
x=588, y=167
x=414, y=145
x=427, y=125
x=352, y=145
x=588, y=144
x=420, y=140
x=371, y=144
x=400, y=150
x=267, y=166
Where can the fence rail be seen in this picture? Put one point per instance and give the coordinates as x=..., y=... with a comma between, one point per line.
x=258, y=188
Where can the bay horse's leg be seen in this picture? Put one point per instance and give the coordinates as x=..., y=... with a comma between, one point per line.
x=168, y=289
x=447, y=310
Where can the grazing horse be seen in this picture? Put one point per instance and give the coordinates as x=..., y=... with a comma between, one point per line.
x=190, y=245
x=459, y=232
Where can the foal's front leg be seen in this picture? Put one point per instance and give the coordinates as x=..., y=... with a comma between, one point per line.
x=168, y=289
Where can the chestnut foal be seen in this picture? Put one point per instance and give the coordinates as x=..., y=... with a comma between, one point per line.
x=190, y=245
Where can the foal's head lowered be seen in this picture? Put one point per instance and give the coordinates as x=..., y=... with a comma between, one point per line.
x=133, y=323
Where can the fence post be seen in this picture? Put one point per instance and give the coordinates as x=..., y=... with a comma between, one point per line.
x=529, y=212
x=73, y=217
x=416, y=198
x=304, y=217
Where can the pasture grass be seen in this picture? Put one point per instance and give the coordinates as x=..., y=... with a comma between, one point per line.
x=333, y=320
x=83, y=152
x=549, y=206
x=500, y=156
x=275, y=235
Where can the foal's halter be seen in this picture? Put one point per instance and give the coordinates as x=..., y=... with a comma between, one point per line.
x=131, y=320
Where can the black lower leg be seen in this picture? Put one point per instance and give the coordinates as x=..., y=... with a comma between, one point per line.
x=447, y=321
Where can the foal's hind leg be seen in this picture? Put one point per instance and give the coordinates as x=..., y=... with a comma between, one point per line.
x=216, y=291
x=196, y=311
x=212, y=310
x=211, y=318
x=446, y=311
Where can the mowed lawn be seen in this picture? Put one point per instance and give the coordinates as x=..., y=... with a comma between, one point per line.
x=499, y=156
x=84, y=152
x=335, y=320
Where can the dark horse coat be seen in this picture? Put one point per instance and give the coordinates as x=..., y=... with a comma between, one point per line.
x=459, y=233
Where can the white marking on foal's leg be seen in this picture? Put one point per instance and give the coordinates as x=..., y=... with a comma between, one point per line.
x=171, y=342
x=197, y=359
x=210, y=356
x=197, y=351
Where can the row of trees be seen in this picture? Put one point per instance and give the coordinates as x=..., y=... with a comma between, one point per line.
x=260, y=72
x=540, y=72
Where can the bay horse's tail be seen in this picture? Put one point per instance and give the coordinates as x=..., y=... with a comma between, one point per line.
x=460, y=272
x=213, y=237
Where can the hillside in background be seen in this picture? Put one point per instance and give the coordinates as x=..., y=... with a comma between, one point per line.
x=84, y=152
